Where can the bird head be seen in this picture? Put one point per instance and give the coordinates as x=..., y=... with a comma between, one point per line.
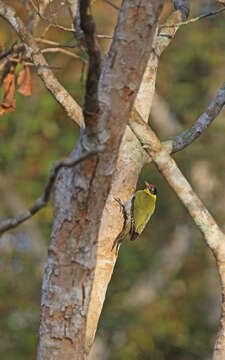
x=150, y=189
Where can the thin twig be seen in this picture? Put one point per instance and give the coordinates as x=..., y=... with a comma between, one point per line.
x=104, y=36
x=48, y=27
x=54, y=43
x=10, y=51
x=26, y=63
x=49, y=50
x=210, y=13
x=111, y=4
x=43, y=200
x=50, y=22
x=22, y=61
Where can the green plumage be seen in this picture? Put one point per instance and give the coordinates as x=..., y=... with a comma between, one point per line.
x=137, y=212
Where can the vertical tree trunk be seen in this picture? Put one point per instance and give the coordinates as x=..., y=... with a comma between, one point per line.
x=81, y=193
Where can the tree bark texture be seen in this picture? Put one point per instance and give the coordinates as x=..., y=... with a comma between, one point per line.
x=81, y=193
x=129, y=164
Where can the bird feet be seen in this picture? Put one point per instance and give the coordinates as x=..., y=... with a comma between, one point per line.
x=119, y=238
x=120, y=204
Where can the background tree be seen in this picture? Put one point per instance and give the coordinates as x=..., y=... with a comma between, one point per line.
x=78, y=271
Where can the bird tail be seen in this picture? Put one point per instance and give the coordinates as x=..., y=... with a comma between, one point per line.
x=134, y=236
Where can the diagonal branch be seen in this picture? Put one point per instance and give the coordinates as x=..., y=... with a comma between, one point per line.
x=43, y=200
x=53, y=43
x=169, y=169
x=32, y=50
x=213, y=236
x=188, y=136
x=195, y=19
x=66, y=52
x=41, y=16
x=111, y=4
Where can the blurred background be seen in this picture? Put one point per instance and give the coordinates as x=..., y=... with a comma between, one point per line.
x=163, y=301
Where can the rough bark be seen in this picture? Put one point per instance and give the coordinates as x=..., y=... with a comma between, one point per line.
x=130, y=161
x=80, y=194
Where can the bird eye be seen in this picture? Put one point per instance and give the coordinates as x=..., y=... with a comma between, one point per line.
x=153, y=190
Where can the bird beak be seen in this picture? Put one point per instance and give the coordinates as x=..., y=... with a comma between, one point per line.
x=147, y=184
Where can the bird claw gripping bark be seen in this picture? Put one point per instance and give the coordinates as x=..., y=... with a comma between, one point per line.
x=119, y=238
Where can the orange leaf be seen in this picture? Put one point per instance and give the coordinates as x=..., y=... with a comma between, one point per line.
x=9, y=102
x=24, y=81
x=4, y=109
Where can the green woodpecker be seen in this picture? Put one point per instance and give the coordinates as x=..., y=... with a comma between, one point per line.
x=136, y=212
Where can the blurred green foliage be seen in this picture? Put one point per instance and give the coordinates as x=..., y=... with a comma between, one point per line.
x=181, y=323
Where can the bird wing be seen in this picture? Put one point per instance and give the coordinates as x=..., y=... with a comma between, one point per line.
x=143, y=208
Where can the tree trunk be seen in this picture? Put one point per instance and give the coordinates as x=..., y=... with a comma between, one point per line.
x=81, y=193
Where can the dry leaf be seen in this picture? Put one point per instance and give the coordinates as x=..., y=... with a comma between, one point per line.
x=4, y=109
x=24, y=81
x=9, y=102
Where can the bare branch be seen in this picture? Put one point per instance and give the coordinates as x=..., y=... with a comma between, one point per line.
x=54, y=50
x=32, y=50
x=100, y=36
x=168, y=168
x=198, y=127
x=111, y=4
x=50, y=22
x=193, y=20
x=53, y=43
x=14, y=50
x=202, y=123
x=43, y=200
x=27, y=63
